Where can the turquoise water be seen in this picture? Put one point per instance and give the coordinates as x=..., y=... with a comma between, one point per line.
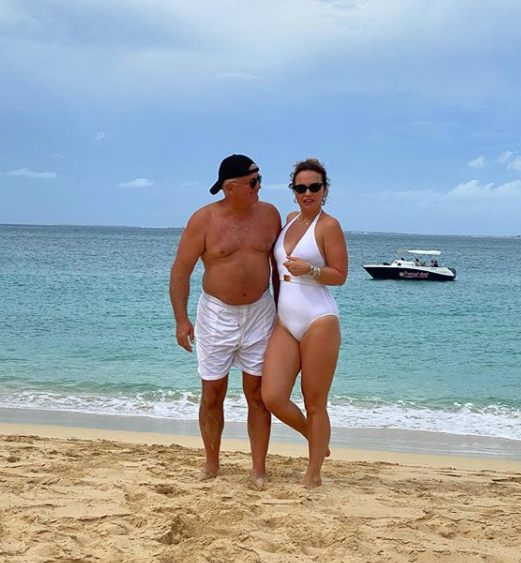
x=86, y=326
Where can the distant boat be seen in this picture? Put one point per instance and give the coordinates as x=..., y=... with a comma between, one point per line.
x=424, y=266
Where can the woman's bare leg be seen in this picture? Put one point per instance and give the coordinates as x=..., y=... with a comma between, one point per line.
x=319, y=351
x=281, y=367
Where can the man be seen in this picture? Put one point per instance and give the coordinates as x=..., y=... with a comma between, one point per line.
x=236, y=313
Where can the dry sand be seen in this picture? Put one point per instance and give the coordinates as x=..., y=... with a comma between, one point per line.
x=71, y=500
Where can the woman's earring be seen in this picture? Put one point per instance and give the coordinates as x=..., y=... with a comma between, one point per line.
x=295, y=199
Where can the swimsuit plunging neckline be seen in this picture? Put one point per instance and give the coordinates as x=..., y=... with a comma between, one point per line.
x=312, y=224
x=302, y=299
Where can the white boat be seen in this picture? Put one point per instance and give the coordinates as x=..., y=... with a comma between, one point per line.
x=419, y=265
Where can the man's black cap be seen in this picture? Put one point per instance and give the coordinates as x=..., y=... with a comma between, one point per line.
x=234, y=166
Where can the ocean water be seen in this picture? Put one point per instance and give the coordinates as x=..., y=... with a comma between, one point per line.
x=86, y=327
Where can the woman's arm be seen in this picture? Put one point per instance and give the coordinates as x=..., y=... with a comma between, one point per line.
x=335, y=254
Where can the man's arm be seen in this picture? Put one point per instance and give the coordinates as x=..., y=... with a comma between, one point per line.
x=191, y=247
x=275, y=281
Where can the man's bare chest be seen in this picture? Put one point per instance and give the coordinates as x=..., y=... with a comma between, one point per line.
x=238, y=237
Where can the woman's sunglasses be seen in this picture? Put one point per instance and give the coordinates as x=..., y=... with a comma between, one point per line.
x=313, y=188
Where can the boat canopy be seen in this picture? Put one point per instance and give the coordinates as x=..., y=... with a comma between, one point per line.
x=419, y=252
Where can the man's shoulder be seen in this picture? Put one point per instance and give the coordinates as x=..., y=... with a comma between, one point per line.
x=201, y=219
x=268, y=209
x=205, y=212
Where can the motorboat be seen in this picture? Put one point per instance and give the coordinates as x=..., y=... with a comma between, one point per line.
x=417, y=265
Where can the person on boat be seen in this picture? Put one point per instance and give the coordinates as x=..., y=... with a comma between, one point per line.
x=434, y=263
x=310, y=254
x=234, y=238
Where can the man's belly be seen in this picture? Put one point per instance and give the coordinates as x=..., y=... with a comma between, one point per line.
x=238, y=281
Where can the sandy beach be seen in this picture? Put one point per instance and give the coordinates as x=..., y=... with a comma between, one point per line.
x=79, y=495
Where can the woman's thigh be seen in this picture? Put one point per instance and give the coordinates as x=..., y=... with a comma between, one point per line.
x=281, y=365
x=319, y=355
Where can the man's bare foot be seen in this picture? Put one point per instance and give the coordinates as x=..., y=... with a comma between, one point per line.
x=208, y=473
x=311, y=482
x=259, y=482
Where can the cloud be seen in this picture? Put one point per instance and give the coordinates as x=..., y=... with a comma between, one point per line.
x=470, y=207
x=158, y=47
x=189, y=184
x=27, y=173
x=100, y=136
x=511, y=159
x=472, y=191
x=505, y=157
x=476, y=191
x=478, y=162
x=515, y=164
x=137, y=183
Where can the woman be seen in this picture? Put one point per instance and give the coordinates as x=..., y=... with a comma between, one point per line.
x=311, y=254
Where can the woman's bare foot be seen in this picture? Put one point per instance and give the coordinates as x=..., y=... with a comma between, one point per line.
x=312, y=482
x=208, y=472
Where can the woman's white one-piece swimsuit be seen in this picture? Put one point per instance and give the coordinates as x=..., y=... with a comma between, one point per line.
x=302, y=299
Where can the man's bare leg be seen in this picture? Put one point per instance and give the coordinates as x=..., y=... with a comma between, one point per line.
x=259, y=426
x=211, y=423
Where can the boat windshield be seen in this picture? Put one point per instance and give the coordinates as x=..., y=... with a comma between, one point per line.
x=419, y=257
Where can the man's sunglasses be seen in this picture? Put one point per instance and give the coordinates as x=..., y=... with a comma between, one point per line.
x=252, y=182
x=313, y=188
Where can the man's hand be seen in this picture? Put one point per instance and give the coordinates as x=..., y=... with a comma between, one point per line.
x=185, y=334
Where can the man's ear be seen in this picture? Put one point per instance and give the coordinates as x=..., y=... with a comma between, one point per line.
x=227, y=188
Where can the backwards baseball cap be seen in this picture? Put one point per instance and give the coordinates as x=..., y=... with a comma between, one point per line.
x=234, y=166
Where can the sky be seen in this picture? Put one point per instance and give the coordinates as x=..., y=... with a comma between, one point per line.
x=118, y=112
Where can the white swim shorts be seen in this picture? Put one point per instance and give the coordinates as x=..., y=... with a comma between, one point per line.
x=232, y=335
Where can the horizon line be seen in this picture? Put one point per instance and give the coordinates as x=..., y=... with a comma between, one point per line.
x=356, y=232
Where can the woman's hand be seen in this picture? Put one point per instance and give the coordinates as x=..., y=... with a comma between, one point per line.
x=297, y=266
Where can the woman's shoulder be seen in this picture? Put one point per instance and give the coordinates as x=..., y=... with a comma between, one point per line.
x=329, y=222
x=291, y=216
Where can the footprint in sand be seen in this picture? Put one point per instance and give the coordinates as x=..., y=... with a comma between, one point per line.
x=274, y=521
x=177, y=530
x=311, y=551
x=268, y=547
x=284, y=494
x=168, y=490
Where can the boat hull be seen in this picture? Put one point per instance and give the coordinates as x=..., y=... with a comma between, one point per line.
x=384, y=272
